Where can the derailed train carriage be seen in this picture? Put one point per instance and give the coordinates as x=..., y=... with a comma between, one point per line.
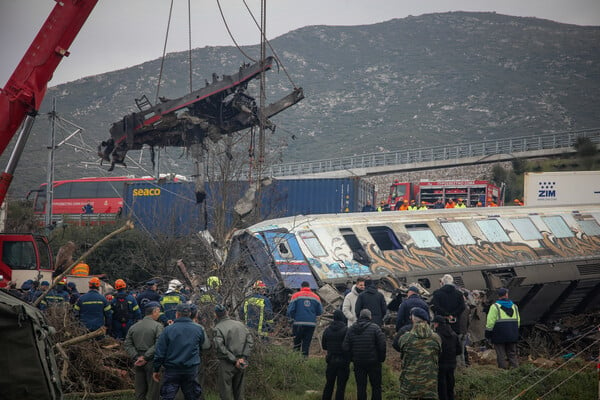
x=548, y=257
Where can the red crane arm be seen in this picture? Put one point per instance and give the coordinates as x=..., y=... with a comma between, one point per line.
x=25, y=90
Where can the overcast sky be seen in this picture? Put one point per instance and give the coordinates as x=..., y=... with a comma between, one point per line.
x=122, y=33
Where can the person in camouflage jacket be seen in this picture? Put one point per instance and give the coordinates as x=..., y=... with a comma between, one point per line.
x=419, y=350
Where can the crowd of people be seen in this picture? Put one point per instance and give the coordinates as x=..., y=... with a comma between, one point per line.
x=430, y=348
x=164, y=334
x=412, y=205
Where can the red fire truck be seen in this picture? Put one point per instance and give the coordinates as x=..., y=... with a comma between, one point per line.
x=470, y=192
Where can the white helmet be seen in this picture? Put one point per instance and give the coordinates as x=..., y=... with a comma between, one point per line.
x=174, y=284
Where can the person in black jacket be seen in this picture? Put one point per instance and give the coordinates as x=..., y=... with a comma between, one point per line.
x=448, y=302
x=338, y=361
x=372, y=300
x=366, y=344
x=451, y=348
x=412, y=300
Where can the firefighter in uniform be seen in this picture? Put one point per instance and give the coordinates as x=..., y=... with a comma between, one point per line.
x=125, y=310
x=170, y=300
x=257, y=311
x=57, y=295
x=92, y=309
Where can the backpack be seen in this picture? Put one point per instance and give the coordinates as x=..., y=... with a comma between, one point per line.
x=120, y=308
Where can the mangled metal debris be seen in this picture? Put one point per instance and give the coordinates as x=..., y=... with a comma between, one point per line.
x=222, y=107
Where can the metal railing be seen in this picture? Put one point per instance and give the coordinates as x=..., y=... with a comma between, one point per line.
x=438, y=153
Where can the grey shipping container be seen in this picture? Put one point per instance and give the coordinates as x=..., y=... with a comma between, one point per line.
x=171, y=208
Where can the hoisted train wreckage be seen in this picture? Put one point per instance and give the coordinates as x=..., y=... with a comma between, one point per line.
x=220, y=108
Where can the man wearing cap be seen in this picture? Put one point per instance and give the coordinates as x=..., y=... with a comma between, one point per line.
x=233, y=343
x=412, y=300
x=304, y=308
x=366, y=344
x=140, y=344
x=92, y=309
x=178, y=351
x=502, y=329
x=149, y=294
x=451, y=348
x=419, y=350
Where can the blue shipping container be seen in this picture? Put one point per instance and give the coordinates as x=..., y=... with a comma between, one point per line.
x=171, y=209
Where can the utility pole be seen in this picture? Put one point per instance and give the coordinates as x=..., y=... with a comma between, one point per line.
x=50, y=172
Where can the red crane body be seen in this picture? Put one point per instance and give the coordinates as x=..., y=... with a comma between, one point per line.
x=26, y=88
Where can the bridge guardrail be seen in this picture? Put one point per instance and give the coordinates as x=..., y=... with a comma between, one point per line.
x=437, y=153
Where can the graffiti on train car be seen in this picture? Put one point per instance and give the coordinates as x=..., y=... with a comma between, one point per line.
x=482, y=253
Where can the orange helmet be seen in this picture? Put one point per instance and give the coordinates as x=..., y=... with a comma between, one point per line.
x=94, y=282
x=63, y=281
x=259, y=285
x=120, y=284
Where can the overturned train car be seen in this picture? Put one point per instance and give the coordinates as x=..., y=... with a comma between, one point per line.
x=548, y=257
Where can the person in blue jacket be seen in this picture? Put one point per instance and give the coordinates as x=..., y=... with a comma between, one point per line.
x=178, y=351
x=304, y=308
x=412, y=300
x=92, y=309
x=125, y=310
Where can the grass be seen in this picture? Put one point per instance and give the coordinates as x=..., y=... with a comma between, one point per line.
x=277, y=373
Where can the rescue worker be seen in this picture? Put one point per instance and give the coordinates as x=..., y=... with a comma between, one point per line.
x=73, y=292
x=209, y=298
x=81, y=269
x=148, y=295
x=170, y=300
x=413, y=206
x=518, y=202
x=233, y=344
x=403, y=206
x=140, y=344
x=125, y=310
x=57, y=295
x=423, y=206
x=257, y=310
x=450, y=204
x=460, y=204
x=178, y=351
x=502, y=329
x=92, y=309
x=419, y=350
x=304, y=308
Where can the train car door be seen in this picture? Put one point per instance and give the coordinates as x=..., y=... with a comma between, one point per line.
x=289, y=260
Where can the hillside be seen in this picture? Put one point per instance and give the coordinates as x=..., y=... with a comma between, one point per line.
x=412, y=82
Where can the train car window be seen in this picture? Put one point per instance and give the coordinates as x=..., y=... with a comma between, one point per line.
x=590, y=227
x=422, y=236
x=424, y=282
x=558, y=226
x=62, y=191
x=458, y=233
x=313, y=244
x=83, y=190
x=526, y=228
x=493, y=231
x=384, y=237
x=358, y=252
x=283, y=247
x=110, y=189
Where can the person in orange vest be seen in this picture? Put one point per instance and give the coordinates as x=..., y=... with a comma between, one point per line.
x=449, y=204
x=490, y=203
x=478, y=204
x=518, y=202
x=81, y=269
x=404, y=205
